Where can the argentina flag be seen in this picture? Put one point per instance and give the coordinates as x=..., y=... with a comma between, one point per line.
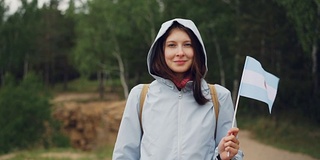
x=258, y=84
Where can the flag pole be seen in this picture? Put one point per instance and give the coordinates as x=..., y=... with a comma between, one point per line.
x=238, y=97
x=237, y=101
x=235, y=111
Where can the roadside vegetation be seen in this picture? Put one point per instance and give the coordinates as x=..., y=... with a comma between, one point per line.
x=104, y=153
x=286, y=132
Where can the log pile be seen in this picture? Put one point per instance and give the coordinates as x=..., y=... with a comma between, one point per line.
x=90, y=125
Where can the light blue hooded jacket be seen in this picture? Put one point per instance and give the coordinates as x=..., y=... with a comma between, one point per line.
x=175, y=126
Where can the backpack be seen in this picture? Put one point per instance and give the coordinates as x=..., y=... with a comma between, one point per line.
x=214, y=97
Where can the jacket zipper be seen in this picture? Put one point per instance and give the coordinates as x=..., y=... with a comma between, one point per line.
x=179, y=126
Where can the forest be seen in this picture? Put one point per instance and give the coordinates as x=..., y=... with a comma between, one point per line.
x=108, y=41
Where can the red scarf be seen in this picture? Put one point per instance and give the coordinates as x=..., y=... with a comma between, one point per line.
x=181, y=84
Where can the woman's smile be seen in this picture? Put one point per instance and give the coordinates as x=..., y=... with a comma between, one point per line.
x=180, y=62
x=178, y=51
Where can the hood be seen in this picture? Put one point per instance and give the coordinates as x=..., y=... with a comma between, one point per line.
x=164, y=27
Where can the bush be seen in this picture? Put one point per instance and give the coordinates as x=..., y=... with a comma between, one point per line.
x=54, y=137
x=23, y=110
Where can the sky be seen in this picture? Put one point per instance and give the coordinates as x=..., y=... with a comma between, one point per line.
x=14, y=4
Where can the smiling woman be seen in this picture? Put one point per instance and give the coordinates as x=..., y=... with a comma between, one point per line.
x=177, y=120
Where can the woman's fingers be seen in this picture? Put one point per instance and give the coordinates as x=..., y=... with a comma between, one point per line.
x=231, y=145
x=232, y=142
x=231, y=151
x=233, y=131
x=231, y=138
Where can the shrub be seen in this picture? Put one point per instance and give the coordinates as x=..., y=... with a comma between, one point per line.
x=23, y=110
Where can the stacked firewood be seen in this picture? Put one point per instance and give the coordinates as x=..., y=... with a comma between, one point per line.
x=90, y=125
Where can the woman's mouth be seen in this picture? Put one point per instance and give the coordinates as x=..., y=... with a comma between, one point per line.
x=180, y=62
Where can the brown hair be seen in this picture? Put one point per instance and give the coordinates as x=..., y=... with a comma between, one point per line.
x=159, y=67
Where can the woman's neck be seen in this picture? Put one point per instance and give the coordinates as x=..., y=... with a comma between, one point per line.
x=181, y=80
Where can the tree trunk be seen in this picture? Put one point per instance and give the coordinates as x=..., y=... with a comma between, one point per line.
x=65, y=80
x=1, y=78
x=101, y=83
x=220, y=62
x=314, y=67
x=235, y=80
x=237, y=55
x=314, y=53
x=26, y=65
x=122, y=75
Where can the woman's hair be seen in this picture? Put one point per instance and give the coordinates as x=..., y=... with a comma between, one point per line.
x=197, y=70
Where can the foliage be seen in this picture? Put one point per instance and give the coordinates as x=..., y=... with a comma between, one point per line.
x=282, y=34
x=63, y=153
x=54, y=137
x=78, y=85
x=23, y=110
x=109, y=29
x=293, y=132
x=304, y=15
x=37, y=40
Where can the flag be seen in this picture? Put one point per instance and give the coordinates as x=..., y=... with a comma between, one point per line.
x=258, y=84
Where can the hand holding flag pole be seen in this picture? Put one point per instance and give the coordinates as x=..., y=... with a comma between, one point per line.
x=257, y=84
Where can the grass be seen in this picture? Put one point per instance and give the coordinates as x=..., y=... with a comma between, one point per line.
x=288, y=133
x=104, y=153
x=78, y=85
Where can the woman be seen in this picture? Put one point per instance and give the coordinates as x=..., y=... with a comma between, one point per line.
x=178, y=120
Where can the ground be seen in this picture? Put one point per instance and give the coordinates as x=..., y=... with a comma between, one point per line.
x=252, y=149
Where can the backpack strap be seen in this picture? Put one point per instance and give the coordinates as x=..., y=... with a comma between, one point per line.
x=142, y=98
x=214, y=97
x=215, y=101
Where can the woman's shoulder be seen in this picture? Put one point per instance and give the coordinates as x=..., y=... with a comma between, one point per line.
x=137, y=87
x=136, y=90
x=221, y=89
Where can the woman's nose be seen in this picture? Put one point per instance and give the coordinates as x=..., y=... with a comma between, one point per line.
x=180, y=51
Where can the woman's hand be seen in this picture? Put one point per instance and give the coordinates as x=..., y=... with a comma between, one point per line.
x=229, y=145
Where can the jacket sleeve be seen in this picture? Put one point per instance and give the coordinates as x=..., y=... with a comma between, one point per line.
x=127, y=146
x=225, y=117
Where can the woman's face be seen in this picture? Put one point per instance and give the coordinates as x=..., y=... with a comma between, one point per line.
x=178, y=52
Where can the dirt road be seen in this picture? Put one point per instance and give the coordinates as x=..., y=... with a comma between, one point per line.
x=254, y=150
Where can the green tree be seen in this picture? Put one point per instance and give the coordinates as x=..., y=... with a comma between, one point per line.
x=19, y=32
x=305, y=16
x=55, y=40
x=11, y=57
x=23, y=110
x=90, y=54
x=113, y=37
x=3, y=11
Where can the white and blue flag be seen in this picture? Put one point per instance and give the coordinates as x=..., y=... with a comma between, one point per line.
x=258, y=84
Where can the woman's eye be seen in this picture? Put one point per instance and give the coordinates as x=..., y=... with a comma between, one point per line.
x=188, y=44
x=171, y=45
